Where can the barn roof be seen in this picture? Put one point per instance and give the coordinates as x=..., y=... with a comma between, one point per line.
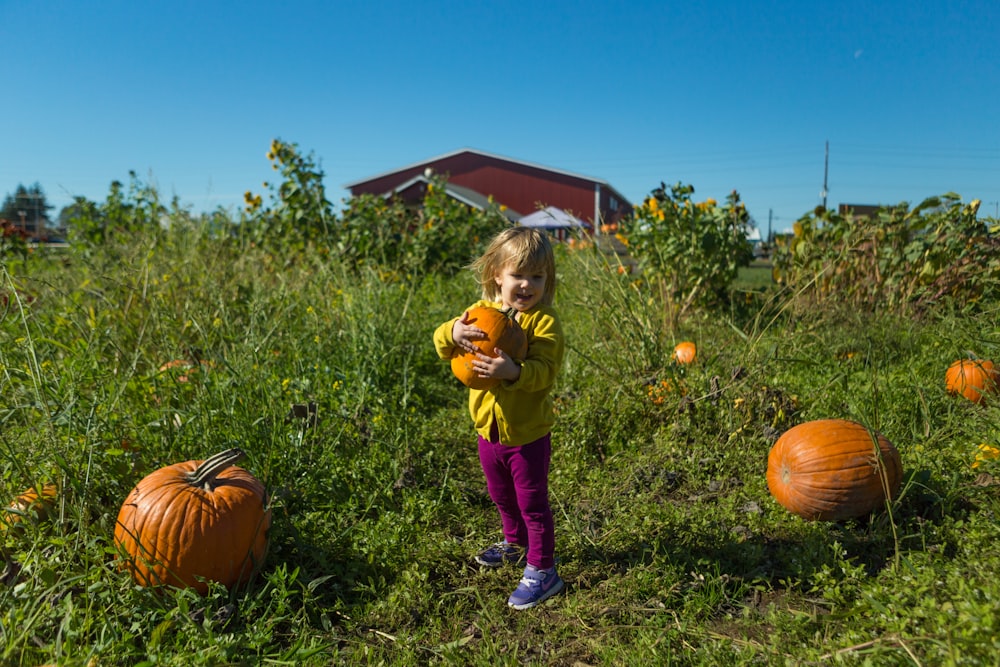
x=465, y=195
x=488, y=155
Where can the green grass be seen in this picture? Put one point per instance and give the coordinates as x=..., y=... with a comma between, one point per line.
x=757, y=276
x=671, y=546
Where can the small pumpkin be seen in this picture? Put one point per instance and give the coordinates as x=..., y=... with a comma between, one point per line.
x=193, y=522
x=33, y=504
x=972, y=378
x=831, y=469
x=184, y=370
x=685, y=352
x=502, y=331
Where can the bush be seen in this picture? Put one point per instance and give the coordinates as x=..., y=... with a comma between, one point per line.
x=899, y=258
x=689, y=253
x=299, y=213
x=372, y=231
x=124, y=216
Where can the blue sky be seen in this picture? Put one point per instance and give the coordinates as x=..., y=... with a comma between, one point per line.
x=720, y=95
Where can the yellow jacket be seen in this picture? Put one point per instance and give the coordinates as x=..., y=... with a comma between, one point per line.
x=521, y=410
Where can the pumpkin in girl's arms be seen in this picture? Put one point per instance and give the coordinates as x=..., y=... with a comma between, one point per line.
x=972, y=378
x=194, y=522
x=685, y=352
x=833, y=469
x=502, y=331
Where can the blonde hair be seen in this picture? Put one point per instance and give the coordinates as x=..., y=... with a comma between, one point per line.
x=523, y=249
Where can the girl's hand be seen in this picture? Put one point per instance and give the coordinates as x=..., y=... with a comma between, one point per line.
x=501, y=367
x=464, y=333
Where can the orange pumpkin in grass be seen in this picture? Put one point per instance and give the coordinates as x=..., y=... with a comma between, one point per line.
x=833, y=469
x=972, y=378
x=34, y=504
x=685, y=352
x=193, y=522
x=502, y=331
x=184, y=369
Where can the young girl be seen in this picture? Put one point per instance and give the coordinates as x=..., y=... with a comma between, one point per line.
x=514, y=419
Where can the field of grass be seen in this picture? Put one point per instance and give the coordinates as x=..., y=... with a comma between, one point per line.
x=672, y=548
x=754, y=277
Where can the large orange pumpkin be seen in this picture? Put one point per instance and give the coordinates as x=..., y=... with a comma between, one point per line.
x=972, y=378
x=502, y=331
x=33, y=504
x=685, y=352
x=193, y=522
x=832, y=469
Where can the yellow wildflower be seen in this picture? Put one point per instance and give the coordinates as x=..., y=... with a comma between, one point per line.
x=985, y=453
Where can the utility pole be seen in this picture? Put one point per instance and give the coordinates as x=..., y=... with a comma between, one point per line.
x=826, y=172
x=770, y=213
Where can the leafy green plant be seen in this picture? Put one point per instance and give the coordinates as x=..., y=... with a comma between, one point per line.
x=901, y=258
x=688, y=252
x=124, y=215
x=372, y=230
x=450, y=234
x=299, y=213
x=442, y=235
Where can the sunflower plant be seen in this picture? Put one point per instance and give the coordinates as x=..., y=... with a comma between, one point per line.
x=689, y=252
x=901, y=258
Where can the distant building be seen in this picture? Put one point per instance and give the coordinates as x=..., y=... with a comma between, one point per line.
x=475, y=177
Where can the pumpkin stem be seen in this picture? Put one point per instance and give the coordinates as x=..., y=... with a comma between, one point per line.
x=511, y=312
x=204, y=475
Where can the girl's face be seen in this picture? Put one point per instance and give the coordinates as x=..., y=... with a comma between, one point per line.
x=520, y=290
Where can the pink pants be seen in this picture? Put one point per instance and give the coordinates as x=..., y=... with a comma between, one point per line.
x=518, y=481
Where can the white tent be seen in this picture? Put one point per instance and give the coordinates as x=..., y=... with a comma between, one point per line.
x=551, y=217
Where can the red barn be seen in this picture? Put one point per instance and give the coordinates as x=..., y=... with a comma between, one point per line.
x=474, y=177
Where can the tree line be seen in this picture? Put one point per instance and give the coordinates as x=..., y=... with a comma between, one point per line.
x=28, y=209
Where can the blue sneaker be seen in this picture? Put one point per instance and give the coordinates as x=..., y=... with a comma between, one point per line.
x=499, y=554
x=536, y=586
